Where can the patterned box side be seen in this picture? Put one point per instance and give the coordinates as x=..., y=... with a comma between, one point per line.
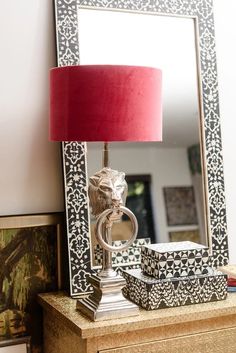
x=154, y=294
x=192, y=260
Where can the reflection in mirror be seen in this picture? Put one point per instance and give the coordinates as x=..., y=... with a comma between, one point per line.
x=174, y=164
x=173, y=167
x=160, y=169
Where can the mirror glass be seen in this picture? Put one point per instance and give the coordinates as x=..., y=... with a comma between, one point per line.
x=164, y=178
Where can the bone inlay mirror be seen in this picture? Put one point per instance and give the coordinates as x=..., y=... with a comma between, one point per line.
x=176, y=36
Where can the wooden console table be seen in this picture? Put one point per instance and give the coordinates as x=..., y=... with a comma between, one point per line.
x=200, y=328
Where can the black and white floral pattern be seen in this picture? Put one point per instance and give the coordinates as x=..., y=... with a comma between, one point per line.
x=75, y=166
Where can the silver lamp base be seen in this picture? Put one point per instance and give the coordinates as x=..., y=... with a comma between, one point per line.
x=107, y=301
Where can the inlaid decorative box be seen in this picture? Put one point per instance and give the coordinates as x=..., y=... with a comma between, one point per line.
x=173, y=260
x=151, y=293
x=131, y=256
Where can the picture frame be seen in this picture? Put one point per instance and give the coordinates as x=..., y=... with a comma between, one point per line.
x=74, y=153
x=30, y=263
x=180, y=206
x=22, y=344
x=185, y=235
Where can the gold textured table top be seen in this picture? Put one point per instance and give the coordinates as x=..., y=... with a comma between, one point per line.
x=64, y=307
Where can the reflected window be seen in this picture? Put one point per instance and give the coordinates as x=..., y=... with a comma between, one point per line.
x=139, y=202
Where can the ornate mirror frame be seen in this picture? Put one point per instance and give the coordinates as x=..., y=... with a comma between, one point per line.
x=74, y=153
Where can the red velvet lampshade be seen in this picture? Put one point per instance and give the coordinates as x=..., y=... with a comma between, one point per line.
x=105, y=103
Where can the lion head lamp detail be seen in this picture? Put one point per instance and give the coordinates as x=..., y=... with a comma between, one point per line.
x=107, y=189
x=106, y=103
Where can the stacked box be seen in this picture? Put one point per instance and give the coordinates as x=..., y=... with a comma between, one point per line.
x=174, y=260
x=174, y=274
x=152, y=293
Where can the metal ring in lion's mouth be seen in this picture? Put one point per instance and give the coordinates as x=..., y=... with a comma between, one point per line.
x=101, y=220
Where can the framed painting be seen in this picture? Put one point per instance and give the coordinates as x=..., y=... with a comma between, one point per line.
x=30, y=263
x=183, y=235
x=180, y=205
x=19, y=345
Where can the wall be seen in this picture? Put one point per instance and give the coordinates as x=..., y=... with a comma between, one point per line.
x=225, y=28
x=30, y=178
x=30, y=165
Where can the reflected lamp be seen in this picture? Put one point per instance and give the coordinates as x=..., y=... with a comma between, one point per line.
x=106, y=103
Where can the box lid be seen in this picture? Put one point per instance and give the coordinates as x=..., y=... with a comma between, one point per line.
x=148, y=280
x=175, y=250
x=175, y=246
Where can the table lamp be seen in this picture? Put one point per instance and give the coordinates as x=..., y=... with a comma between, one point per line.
x=106, y=103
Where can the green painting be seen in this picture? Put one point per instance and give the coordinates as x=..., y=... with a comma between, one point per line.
x=28, y=266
